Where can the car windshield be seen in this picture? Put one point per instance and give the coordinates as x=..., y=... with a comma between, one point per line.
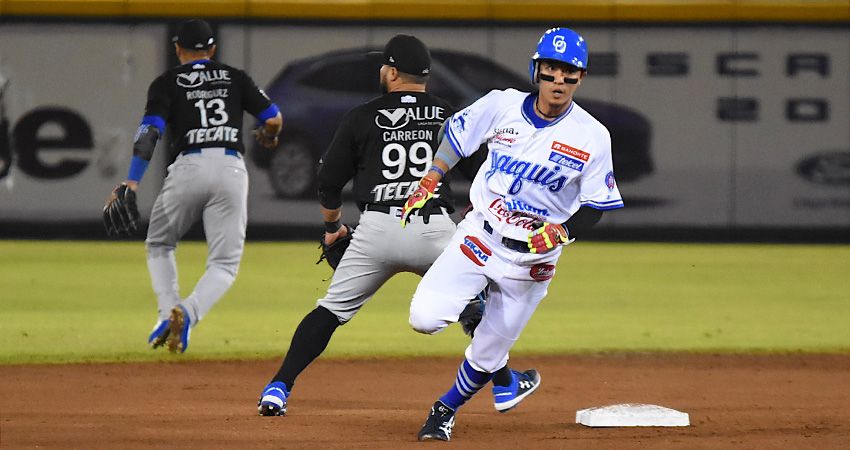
x=482, y=73
x=353, y=74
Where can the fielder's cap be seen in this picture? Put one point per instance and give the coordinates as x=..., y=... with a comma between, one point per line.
x=407, y=54
x=194, y=34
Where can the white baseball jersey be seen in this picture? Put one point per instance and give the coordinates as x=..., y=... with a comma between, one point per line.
x=536, y=170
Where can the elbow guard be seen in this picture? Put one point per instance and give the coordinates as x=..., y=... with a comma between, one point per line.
x=330, y=195
x=447, y=154
x=330, y=198
x=145, y=141
x=445, y=151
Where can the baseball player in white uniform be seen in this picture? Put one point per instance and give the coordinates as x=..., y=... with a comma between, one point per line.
x=546, y=180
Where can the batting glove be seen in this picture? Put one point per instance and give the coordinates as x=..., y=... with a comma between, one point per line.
x=417, y=200
x=546, y=237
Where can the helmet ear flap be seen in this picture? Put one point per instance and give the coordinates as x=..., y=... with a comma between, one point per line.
x=534, y=71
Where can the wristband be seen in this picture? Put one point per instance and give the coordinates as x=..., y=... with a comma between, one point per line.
x=332, y=227
x=437, y=170
x=138, y=166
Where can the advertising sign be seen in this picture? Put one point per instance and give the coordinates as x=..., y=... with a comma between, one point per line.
x=716, y=127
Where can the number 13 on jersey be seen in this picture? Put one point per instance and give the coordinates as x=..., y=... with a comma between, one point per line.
x=217, y=106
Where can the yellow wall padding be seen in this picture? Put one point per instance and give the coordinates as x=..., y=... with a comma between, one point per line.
x=824, y=11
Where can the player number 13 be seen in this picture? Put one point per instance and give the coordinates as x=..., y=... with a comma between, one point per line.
x=396, y=156
x=219, y=116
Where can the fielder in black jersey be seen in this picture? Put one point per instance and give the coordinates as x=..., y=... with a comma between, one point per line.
x=201, y=103
x=386, y=145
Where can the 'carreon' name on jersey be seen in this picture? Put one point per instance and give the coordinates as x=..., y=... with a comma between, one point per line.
x=412, y=135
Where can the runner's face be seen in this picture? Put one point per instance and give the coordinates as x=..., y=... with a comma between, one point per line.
x=555, y=90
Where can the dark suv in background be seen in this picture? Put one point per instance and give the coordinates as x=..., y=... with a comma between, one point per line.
x=314, y=93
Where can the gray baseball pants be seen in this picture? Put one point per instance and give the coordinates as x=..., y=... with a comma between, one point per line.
x=380, y=249
x=212, y=186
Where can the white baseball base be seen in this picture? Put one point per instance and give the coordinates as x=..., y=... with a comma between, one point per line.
x=632, y=415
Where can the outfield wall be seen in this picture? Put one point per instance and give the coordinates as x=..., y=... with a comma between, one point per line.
x=740, y=119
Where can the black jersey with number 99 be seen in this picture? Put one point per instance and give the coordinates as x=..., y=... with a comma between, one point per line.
x=387, y=145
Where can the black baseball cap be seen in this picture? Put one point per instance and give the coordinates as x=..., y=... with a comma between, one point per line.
x=194, y=34
x=405, y=53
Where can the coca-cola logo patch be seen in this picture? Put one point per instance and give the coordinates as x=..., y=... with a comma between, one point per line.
x=520, y=219
x=542, y=272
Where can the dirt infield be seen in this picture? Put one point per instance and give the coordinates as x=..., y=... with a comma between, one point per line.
x=796, y=401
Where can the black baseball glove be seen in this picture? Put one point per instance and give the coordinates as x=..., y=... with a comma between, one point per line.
x=472, y=314
x=121, y=215
x=333, y=252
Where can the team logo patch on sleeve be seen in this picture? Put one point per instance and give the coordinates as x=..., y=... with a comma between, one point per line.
x=475, y=250
x=542, y=272
x=568, y=156
x=459, y=121
x=609, y=180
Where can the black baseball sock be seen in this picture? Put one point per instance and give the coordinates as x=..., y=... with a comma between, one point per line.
x=309, y=341
x=502, y=377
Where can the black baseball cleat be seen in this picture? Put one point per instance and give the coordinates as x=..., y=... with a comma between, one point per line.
x=271, y=410
x=438, y=426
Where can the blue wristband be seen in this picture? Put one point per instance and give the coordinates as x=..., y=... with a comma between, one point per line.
x=438, y=170
x=138, y=166
x=267, y=114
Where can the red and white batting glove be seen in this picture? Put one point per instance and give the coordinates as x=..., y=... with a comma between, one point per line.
x=547, y=237
x=418, y=198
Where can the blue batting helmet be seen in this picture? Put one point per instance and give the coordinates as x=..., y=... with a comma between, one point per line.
x=559, y=44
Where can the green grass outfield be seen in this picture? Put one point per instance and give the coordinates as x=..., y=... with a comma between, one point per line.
x=92, y=301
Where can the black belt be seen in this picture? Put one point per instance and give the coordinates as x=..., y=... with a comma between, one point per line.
x=513, y=244
x=227, y=151
x=379, y=208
